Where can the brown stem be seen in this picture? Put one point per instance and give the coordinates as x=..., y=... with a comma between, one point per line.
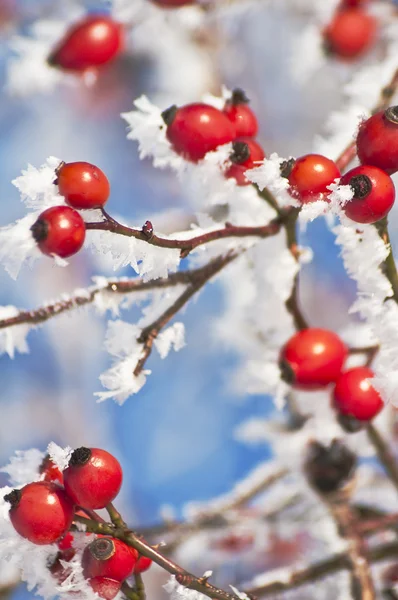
x=388, y=267
x=292, y=303
x=386, y=95
x=384, y=454
x=150, y=333
x=186, y=246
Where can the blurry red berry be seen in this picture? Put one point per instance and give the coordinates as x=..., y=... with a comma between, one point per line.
x=310, y=177
x=195, y=129
x=350, y=34
x=245, y=154
x=241, y=115
x=312, y=359
x=59, y=230
x=109, y=557
x=92, y=42
x=353, y=3
x=105, y=588
x=173, y=3
x=83, y=185
x=354, y=395
x=377, y=140
x=374, y=194
x=142, y=564
x=41, y=512
x=93, y=477
x=234, y=542
x=66, y=542
x=51, y=472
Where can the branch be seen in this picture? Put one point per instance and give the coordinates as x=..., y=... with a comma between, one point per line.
x=145, y=234
x=388, y=267
x=384, y=454
x=386, y=95
x=182, y=576
x=202, y=276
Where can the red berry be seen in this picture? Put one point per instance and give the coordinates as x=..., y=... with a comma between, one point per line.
x=241, y=115
x=351, y=33
x=142, y=564
x=374, y=194
x=105, y=588
x=59, y=230
x=173, y=3
x=245, y=154
x=83, y=185
x=377, y=140
x=354, y=395
x=313, y=358
x=50, y=470
x=92, y=42
x=66, y=542
x=195, y=129
x=310, y=177
x=108, y=557
x=93, y=477
x=41, y=512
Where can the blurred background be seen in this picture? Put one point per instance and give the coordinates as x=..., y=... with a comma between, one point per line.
x=175, y=438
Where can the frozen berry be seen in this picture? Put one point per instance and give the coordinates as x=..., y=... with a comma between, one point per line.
x=312, y=359
x=350, y=34
x=59, y=230
x=355, y=396
x=196, y=129
x=241, y=115
x=310, y=177
x=245, y=154
x=41, y=512
x=105, y=588
x=92, y=42
x=109, y=557
x=374, y=194
x=83, y=185
x=93, y=477
x=377, y=140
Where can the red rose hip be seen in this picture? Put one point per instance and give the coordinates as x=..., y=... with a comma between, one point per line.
x=354, y=396
x=50, y=471
x=350, y=34
x=310, y=177
x=109, y=557
x=92, y=42
x=374, y=194
x=83, y=185
x=105, y=588
x=241, y=115
x=196, y=129
x=377, y=140
x=41, y=512
x=312, y=359
x=245, y=154
x=93, y=477
x=59, y=230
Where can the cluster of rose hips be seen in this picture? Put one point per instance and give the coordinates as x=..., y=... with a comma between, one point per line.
x=313, y=359
x=60, y=230
x=196, y=129
x=351, y=31
x=43, y=512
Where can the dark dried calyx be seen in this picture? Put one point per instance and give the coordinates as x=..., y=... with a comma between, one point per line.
x=39, y=230
x=80, y=457
x=361, y=186
x=240, y=153
x=13, y=498
x=391, y=114
x=239, y=97
x=169, y=114
x=287, y=373
x=286, y=167
x=102, y=548
x=328, y=468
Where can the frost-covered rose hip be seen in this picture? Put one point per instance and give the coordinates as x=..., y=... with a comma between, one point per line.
x=92, y=42
x=374, y=194
x=312, y=359
x=196, y=129
x=241, y=115
x=59, y=230
x=142, y=564
x=350, y=34
x=41, y=512
x=83, y=185
x=105, y=588
x=93, y=477
x=354, y=395
x=377, y=140
x=245, y=154
x=310, y=177
x=108, y=557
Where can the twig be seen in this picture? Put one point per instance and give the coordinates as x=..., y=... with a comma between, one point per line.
x=386, y=95
x=186, y=246
x=139, y=586
x=150, y=333
x=292, y=303
x=321, y=569
x=384, y=454
x=388, y=267
x=115, y=516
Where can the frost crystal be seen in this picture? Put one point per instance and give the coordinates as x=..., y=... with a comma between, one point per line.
x=179, y=592
x=268, y=175
x=60, y=456
x=172, y=337
x=12, y=338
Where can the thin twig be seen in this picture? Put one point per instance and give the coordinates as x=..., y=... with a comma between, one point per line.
x=388, y=267
x=384, y=454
